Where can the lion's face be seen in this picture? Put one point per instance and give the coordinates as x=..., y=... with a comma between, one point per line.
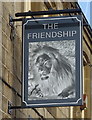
x=44, y=64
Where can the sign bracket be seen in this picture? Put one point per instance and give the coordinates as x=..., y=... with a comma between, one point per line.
x=10, y=108
x=37, y=13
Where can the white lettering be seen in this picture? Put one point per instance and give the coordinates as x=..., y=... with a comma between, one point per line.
x=48, y=34
x=60, y=34
x=34, y=35
x=74, y=32
x=65, y=33
x=70, y=34
x=44, y=26
x=56, y=26
x=50, y=26
x=29, y=35
x=52, y=34
x=42, y=34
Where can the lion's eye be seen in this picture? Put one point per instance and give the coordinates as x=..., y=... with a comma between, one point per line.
x=47, y=63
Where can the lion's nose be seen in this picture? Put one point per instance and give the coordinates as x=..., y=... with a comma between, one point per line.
x=40, y=69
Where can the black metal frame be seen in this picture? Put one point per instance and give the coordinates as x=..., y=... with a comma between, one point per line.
x=48, y=12
x=37, y=13
x=10, y=108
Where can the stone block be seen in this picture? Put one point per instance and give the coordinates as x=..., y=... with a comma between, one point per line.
x=4, y=104
x=61, y=114
x=20, y=114
x=52, y=111
x=7, y=59
x=0, y=100
x=19, y=32
x=14, y=67
x=19, y=6
x=4, y=40
x=4, y=25
x=76, y=112
x=10, y=78
x=16, y=41
x=17, y=100
x=5, y=115
x=41, y=111
x=6, y=14
x=19, y=70
x=8, y=29
x=17, y=50
x=65, y=110
x=4, y=73
x=9, y=62
x=0, y=53
x=1, y=9
x=4, y=56
x=6, y=91
x=0, y=86
x=31, y=113
x=9, y=7
x=47, y=114
x=17, y=85
x=10, y=47
x=1, y=114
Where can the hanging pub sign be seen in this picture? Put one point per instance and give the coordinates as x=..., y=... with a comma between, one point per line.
x=52, y=61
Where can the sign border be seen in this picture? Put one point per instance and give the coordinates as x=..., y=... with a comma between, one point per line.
x=80, y=100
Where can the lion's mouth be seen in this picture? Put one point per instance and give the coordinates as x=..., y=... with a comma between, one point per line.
x=44, y=78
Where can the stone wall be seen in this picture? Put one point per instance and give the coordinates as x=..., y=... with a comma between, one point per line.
x=11, y=54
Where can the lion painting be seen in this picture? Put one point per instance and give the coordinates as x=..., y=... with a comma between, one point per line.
x=52, y=76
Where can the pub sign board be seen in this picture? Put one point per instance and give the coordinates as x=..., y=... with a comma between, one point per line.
x=52, y=61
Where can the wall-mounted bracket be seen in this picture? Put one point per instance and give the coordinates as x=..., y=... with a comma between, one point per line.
x=11, y=23
x=9, y=106
x=37, y=13
x=11, y=20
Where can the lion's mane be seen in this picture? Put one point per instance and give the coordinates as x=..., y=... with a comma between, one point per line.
x=62, y=69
